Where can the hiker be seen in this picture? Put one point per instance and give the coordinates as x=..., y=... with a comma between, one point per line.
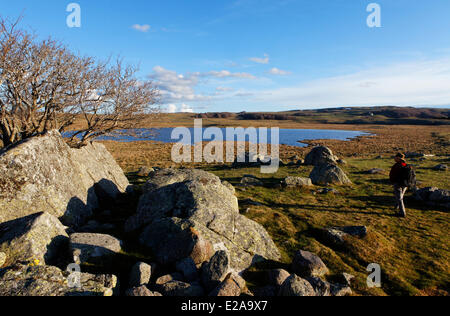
x=399, y=178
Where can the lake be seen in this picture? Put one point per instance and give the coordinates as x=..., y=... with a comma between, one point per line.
x=291, y=137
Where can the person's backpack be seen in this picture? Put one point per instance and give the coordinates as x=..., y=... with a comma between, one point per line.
x=408, y=177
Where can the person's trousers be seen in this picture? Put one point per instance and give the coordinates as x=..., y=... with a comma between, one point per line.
x=399, y=193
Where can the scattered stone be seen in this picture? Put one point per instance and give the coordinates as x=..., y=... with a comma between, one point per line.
x=297, y=182
x=296, y=286
x=141, y=291
x=215, y=270
x=328, y=174
x=145, y=171
x=337, y=235
x=94, y=248
x=35, y=237
x=376, y=171
x=341, y=162
x=320, y=155
x=340, y=290
x=178, y=288
x=321, y=287
x=169, y=277
x=249, y=180
x=188, y=268
x=229, y=287
x=441, y=167
x=307, y=264
x=327, y=191
x=43, y=174
x=276, y=277
x=140, y=274
x=434, y=197
x=23, y=280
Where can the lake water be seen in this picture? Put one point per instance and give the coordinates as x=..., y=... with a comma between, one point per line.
x=292, y=137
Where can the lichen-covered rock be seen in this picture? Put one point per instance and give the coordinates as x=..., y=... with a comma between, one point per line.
x=94, y=248
x=169, y=277
x=180, y=205
x=35, y=237
x=43, y=174
x=141, y=291
x=337, y=235
x=140, y=274
x=229, y=287
x=249, y=180
x=328, y=174
x=296, y=286
x=22, y=280
x=307, y=264
x=320, y=155
x=297, y=182
x=178, y=288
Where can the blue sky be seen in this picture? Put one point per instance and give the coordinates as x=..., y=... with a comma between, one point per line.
x=261, y=55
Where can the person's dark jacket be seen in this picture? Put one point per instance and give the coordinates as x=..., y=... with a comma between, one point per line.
x=396, y=173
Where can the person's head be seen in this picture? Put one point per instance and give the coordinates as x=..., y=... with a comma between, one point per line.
x=399, y=157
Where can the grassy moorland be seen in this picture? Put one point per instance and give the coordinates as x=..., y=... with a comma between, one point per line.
x=413, y=252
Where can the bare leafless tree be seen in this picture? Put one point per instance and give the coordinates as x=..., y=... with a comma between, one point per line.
x=43, y=86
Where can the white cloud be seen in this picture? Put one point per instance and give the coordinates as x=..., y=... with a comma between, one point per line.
x=402, y=84
x=258, y=60
x=224, y=89
x=278, y=72
x=171, y=108
x=186, y=109
x=141, y=28
x=176, y=87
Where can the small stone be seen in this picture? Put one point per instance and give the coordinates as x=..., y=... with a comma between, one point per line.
x=297, y=182
x=376, y=171
x=140, y=274
x=215, y=270
x=178, y=288
x=296, y=286
x=229, y=287
x=276, y=277
x=141, y=291
x=169, y=277
x=307, y=264
x=440, y=167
